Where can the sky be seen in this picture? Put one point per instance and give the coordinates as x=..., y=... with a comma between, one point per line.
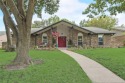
x=69, y=9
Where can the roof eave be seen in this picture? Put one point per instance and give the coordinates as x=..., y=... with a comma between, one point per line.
x=105, y=33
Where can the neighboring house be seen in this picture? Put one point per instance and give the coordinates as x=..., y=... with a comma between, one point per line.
x=119, y=31
x=71, y=34
x=2, y=33
x=118, y=40
x=3, y=38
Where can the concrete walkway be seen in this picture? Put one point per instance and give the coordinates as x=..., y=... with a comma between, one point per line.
x=96, y=72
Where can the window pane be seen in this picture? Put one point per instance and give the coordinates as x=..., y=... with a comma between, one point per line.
x=100, y=43
x=100, y=39
x=80, y=40
x=80, y=43
x=45, y=39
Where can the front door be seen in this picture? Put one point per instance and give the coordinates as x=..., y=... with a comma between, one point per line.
x=62, y=41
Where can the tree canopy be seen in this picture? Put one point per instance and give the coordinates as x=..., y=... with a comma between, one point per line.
x=82, y=23
x=101, y=22
x=45, y=22
x=49, y=21
x=102, y=7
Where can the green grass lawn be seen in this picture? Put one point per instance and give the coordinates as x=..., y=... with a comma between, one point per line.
x=112, y=58
x=56, y=68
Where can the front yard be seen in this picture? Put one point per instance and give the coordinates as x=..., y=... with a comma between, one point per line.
x=57, y=67
x=112, y=58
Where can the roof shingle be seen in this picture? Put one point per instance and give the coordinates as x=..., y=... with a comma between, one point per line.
x=98, y=30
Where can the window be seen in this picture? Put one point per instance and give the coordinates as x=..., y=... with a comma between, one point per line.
x=100, y=39
x=44, y=38
x=80, y=39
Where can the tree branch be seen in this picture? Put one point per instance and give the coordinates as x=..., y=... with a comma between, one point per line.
x=8, y=18
x=20, y=6
x=30, y=12
x=14, y=10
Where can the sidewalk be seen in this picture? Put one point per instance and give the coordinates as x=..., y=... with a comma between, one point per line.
x=96, y=72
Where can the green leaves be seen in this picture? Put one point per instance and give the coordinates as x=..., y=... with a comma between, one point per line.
x=101, y=7
x=49, y=21
x=105, y=22
x=45, y=22
x=49, y=6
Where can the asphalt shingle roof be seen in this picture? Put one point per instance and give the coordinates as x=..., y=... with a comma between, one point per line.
x=97, y=30
x=120, y=28
x=33, y=30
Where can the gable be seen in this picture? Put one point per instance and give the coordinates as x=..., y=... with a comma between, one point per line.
x=91, y=30
x=59, y=24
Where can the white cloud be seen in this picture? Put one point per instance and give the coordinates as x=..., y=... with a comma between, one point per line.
x=121, y=18
x=35, y=18
x=69, y=9
x=72, y=10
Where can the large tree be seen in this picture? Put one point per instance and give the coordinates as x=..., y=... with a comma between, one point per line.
x=101, y=22
x=22, y=11
x=103, y=7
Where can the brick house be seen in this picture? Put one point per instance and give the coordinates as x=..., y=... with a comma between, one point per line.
x=70, y=34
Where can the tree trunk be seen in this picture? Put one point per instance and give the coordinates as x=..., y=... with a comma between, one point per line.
x=8, y=34
x=22, y=31
x=22, y=47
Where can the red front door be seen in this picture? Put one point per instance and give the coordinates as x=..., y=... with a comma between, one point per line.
x=62, y=41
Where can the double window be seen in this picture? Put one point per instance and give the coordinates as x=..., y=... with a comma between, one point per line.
x=100, y=39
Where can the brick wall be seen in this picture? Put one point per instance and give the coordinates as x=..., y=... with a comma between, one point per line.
x=94, y=40
x=106, y=41
x=88, y=40
x=118, y=41
x=73, y=35
x=32, y=41
x=38, y=39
